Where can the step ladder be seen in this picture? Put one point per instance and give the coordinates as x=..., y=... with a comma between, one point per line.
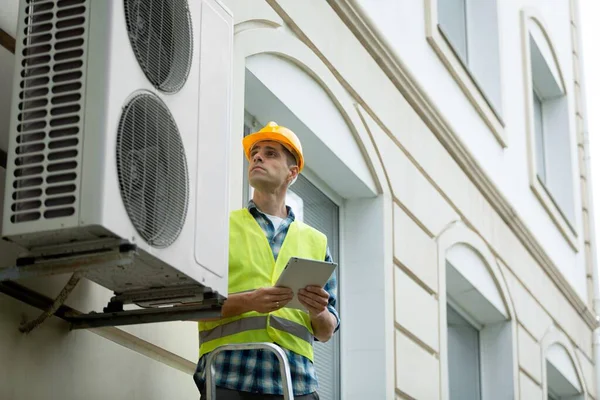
x=284, y=366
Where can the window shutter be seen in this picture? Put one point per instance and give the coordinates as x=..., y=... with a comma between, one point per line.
x=463, y=358
x=318, y=211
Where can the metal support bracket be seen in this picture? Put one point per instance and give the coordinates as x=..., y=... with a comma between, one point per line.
x=209, y=309
x=60, y=299
x=179, y=303
x=78, y=320
x=80, y=263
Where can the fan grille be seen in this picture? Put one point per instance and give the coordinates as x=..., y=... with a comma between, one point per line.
x=160, y=33
x=152, y=170
x=49, y=118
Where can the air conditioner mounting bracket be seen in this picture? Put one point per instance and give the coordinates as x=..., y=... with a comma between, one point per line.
x=183, y=303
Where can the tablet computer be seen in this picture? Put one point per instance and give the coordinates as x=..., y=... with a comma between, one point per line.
x=300, y=273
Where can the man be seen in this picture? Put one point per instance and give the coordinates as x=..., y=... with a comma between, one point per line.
x=262, y=239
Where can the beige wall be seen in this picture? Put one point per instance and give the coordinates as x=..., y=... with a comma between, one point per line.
x=55, y=363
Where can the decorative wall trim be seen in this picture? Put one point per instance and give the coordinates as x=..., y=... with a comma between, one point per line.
x=531, y=15
x=526, y=373
x=422, y=104
x=424, y=346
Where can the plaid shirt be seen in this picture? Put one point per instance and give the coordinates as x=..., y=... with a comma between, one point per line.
x=257, y=371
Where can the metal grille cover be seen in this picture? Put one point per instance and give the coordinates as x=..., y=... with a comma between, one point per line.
x=49, y=117
x=160, y=33
x=152, y=170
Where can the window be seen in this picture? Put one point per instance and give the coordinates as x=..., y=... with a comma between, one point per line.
x=478, y=352
x=552, y=133
x=478, y=330
x=463, y=357
x=539, y=137
x=453, y=23
x=561, y=373
x=559, y=386
x=551, y=170
x=471, y=28
x=464, y=34
x=314, y=208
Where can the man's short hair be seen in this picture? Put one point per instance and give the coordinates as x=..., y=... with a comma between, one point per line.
x=291, y=159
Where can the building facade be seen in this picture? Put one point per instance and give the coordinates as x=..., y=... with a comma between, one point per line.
x=446, y=160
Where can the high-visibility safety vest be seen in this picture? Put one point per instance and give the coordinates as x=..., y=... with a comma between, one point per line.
x=252, y=266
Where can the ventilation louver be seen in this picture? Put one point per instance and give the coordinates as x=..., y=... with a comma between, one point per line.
x=152, y=170
x=160, y=33
x=49, y=110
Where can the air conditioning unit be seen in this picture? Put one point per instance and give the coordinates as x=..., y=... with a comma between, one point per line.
x=119, y=137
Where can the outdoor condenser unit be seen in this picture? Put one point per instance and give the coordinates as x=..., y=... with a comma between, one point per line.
x=119, y=140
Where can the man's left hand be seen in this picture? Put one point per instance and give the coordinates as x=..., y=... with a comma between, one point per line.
x=315, y=299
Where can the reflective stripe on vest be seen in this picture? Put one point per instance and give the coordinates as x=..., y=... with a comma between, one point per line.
x=255, y=323
x=251, y=266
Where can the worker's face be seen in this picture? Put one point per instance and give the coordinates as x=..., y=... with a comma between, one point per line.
x=269, y=169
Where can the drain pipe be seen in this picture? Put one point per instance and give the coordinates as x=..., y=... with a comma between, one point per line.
x=593, y=251
x=596, y=306
x=578, y=64
x=593, y=256
x=596, y=300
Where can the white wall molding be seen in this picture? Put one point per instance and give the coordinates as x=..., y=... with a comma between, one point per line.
x=420, y=101
x=246, y=13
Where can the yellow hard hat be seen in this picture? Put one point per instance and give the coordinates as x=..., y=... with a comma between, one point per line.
x=279, y=134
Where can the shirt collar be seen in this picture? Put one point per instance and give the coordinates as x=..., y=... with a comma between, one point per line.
x=253, y=208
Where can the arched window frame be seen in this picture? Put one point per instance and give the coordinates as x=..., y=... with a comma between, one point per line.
x=567, y=220
x=556, y=337
x=260, y=31
x=459, y=234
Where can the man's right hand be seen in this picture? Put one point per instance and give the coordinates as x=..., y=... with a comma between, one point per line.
x=269, y=299
x=263, y=300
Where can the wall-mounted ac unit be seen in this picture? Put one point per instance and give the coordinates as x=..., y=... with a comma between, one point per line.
x=119, y=135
